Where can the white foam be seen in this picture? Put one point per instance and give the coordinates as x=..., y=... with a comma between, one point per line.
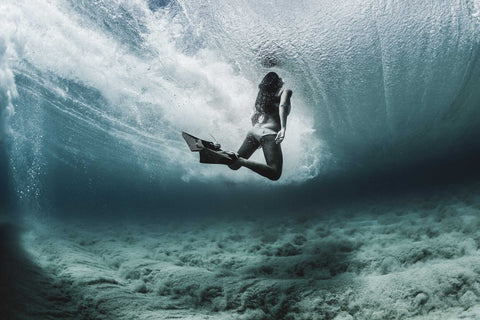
x=374, y=82
x=200, y=93
x=9, y=50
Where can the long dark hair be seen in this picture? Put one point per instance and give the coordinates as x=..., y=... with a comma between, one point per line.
x=266, y=94
x=270, y=82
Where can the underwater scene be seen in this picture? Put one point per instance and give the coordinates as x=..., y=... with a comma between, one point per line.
x=364, y=202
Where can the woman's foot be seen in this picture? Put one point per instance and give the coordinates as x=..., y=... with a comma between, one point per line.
x=235, y=165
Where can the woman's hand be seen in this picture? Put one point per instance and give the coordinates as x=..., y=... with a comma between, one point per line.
x=280, y=136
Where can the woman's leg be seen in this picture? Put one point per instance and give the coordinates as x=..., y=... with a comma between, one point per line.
x=248, y=147
x=273, y=156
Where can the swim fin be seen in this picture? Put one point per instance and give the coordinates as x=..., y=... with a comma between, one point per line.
x=209, y=152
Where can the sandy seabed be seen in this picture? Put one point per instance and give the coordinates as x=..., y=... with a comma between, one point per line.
x=415, y=259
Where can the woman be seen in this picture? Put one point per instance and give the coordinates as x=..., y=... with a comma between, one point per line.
x=269, y=122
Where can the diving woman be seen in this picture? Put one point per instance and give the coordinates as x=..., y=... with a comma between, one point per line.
x=269, y=123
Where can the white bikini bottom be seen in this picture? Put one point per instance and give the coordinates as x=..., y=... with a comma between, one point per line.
x=259, y=132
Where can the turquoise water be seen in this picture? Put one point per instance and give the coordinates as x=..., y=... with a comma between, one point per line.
x=98, y=91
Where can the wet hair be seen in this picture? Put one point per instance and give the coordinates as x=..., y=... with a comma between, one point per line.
x=266, y=95
x=270, y=83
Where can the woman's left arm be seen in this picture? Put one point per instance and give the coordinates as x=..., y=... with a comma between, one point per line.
x=284, y=110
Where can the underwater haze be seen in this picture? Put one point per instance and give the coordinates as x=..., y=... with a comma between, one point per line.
x=106, y=214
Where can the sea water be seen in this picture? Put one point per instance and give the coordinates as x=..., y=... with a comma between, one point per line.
x=94, y=96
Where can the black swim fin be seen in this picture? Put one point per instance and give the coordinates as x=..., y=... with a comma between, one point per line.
x=217, y=156
x=197, y=144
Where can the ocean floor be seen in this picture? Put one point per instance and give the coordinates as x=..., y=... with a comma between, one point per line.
x=415, y=259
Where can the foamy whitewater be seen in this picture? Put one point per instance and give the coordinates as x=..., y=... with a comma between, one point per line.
x=106, y=214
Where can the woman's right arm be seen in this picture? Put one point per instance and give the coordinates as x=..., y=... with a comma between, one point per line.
x=284, y=111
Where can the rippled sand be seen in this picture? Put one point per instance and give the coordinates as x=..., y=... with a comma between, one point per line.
x=415, y=260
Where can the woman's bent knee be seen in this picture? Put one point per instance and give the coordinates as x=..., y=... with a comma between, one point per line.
x=275, y=175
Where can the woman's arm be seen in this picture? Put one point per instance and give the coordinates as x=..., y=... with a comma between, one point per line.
x=284, y=110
